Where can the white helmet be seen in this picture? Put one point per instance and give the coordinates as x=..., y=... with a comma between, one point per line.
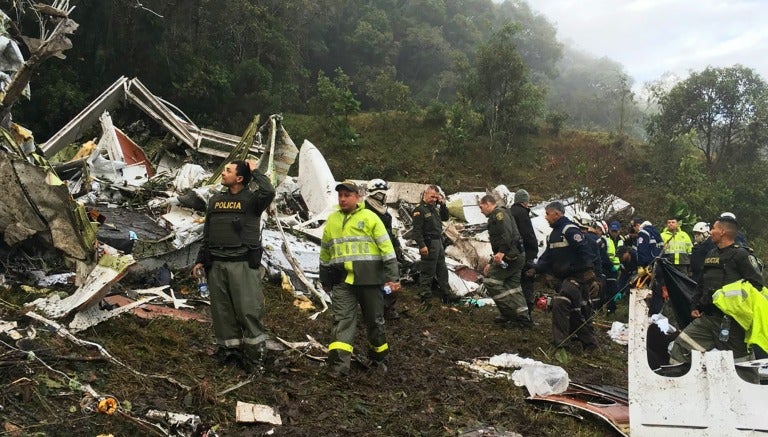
x=583, y=219
x=729, y=215
x=375, y=185
x=701, y=227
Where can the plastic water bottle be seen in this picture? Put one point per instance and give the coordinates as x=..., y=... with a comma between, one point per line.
x=386, y=289
x=503, y=264
x=202, y=283
x=725, y=329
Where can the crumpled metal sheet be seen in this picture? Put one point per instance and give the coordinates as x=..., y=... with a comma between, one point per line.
x=30, y=206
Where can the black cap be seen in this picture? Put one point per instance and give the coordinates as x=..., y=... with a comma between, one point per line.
x=349, y=186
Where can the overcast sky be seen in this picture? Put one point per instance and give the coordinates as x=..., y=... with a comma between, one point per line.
x=651, y=37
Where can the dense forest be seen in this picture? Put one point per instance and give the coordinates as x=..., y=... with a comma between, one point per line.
x=224, y=61
x=485, y=79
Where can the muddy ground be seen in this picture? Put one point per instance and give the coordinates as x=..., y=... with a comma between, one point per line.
x=424, y=392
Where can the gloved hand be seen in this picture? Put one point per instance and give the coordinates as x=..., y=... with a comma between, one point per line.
x=615, y=268
x=617, y=297
x=642, y=271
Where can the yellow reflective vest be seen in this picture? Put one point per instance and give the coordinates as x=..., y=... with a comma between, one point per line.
x=610, y=247
x=358, y=245
x=678, y=247
x=748, y=306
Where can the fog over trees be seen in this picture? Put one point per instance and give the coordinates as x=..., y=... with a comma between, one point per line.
x=472, y=68
x=223, y=61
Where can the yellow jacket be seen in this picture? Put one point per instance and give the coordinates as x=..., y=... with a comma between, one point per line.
x=748, y=306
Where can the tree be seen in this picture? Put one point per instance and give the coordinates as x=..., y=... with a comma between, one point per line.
x=388, y=93
x=595, y=93
x=55, y=27
x=510, y=102
x=723, y=112
x=335, y=100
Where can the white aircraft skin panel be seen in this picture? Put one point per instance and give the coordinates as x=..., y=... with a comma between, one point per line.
x=710, y=400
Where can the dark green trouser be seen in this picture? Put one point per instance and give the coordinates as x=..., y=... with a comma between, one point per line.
x=433, y=266
x=237, y=307
x=572, y=314
x=703, y=334
x=344, y=301
x=503, y=286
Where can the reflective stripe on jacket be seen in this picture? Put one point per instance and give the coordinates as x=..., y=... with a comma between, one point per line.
x=610, y=247
x=748, y=306
x=358, y=244
x=678, y=247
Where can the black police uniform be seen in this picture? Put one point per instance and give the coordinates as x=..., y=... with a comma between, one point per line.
x=522, y=216
x=231, y=253
x=503, y=283
x=428, y=231
x=721, y=267
x=569, y=259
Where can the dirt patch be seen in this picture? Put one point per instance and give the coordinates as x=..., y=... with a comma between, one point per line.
x=423, y=392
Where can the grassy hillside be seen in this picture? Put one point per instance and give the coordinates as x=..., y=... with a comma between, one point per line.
x=405, y=147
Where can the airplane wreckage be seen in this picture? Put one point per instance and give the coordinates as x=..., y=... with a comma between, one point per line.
x=73, y=202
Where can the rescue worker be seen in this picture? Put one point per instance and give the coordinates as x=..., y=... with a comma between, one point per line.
x=614, y=233
x=598, y=247
x=521, y=212
x=356, y=260
x=702, y=244
x=628, y=258
x=231, y=255
x=649, y=248
x=376, y=201
x=726, y=264
x=610, y=270
x=584, y=221
x=428, y=219
x=677, y=246
x=502, y=274
x=568, y=258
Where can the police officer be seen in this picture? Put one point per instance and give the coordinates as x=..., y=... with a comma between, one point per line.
x=569, y=259
x=231, y=255
x=521, y=212
x=727, y=263
x=376, y=201
x=677, y=245
x=356, y=260
x=428, y=219
x=503, y=272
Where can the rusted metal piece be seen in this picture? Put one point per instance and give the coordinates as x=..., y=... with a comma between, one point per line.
x=610, y=404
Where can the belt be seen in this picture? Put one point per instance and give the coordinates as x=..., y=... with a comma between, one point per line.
x=229, y=259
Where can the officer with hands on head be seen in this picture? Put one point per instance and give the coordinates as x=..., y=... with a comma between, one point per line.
x=231, y=256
